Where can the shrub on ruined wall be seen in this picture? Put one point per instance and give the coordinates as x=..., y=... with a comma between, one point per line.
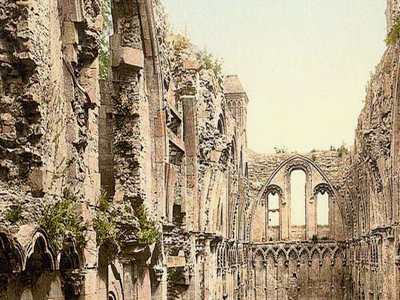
x=14, y=214
x=394, y=34
x=104, y=52
x=62, y=218
x=104, y=223
x=148, y=233
x=116, y=223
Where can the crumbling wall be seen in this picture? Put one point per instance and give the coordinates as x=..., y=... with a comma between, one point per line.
x=371, y=184
x=371, y=180
x=48, y=98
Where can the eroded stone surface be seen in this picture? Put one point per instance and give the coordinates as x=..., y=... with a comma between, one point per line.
x=151, y=167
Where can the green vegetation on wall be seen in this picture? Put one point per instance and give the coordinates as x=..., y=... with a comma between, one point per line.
x=14, y=214
x=394, y=34
x=148, y=233
x=210, y=62
x=62, y=218
x=104, y=222
x=104, y=55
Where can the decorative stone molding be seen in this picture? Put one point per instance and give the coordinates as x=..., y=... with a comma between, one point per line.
x=297, y=164
x=323, y=188
x=273, y=189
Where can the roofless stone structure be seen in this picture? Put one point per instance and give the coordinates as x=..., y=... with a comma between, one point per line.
x=141, y=186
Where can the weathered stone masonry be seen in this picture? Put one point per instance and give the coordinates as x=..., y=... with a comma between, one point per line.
x=142, y=186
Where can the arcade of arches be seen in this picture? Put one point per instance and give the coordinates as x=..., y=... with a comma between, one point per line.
x=137, y=183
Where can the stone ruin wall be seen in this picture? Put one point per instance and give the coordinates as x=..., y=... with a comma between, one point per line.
x=292, y=261
x=49, y=105
x=161, y=137
x=371, y=183
x=155, y=167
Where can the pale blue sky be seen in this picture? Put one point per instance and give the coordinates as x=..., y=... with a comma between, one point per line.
x=304, y=63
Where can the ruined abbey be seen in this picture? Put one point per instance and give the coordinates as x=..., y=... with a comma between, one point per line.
x=130, y=178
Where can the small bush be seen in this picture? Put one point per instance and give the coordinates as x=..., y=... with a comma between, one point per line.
x=394, y=34
x=14, y=214
x=148, y=233
x=180, y=42
x=61, y=218
x=104, y=223
x=280, y=150
x=105, y=228
x=342, y=151
x=314, y=239
x=103, y=202
x=209, y=62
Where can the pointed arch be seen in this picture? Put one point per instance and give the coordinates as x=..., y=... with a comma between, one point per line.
x=294, y=162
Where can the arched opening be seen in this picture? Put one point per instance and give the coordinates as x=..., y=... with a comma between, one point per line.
x=298, y=197
x=322, y=209
x=273, y=209
x=273, y=217
x=111, y=296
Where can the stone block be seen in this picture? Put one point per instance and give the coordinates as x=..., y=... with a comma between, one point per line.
x=70, y=34
x=7, y=125
x=128, y=56
x=125, y=55
x=74, y=10
x=70, y=53
x=176, y=261
x=36, y=181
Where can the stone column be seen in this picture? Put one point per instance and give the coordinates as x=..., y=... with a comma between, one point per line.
x=191, y=290
x=285, y=209
x=395, y=149
x=128, y=280
x=311, y=214
x=160, y=290
x=310, y=229
x=191, y=141
x=388, y=268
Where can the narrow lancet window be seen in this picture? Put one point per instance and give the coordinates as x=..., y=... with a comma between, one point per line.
x=298, y=197
x=323, y=209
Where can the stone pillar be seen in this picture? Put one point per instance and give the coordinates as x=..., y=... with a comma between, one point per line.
x=160, y=287
x=191, y=141
x=83, y=93
x=143, y=282
x=285, y=209
x=128, y=280
x=311, y=215
x=310, y=224
x=388, y=266
x=191, y=292
x=395, y=148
